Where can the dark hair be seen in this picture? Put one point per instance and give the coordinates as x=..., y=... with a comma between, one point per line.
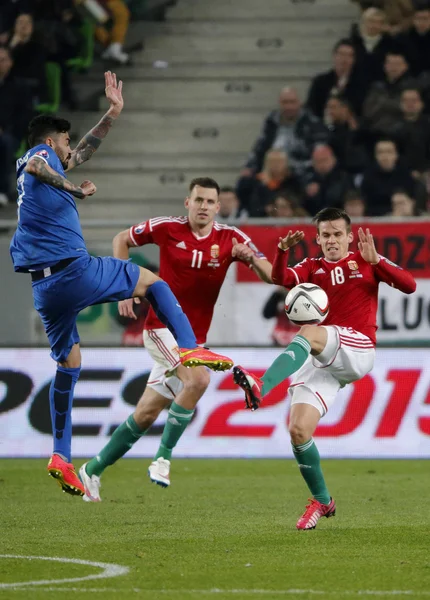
x=352, y=195
x=332, y=214
x=205, y=182
x=403, y=192
x=43, y=126
x=394, y=51
x=344, y=42
x=227, y=189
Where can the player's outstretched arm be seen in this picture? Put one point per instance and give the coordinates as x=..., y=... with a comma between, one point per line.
x=92, y=140
x=43, y=172
x=280, y=274
x=261, y=266
x=386, y=271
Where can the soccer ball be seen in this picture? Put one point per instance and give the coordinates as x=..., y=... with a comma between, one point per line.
x=306, y=304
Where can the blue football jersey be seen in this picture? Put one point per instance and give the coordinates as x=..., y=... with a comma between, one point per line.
x=48, y=221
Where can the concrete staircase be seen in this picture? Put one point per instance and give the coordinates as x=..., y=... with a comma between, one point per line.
x=196, y=97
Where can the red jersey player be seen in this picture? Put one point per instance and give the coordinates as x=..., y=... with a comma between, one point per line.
x=326, y=357
x=195, y=254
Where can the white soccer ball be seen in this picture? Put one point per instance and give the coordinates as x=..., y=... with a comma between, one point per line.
x=306, y=304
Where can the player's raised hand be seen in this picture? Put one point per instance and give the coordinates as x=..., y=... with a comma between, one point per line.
x=113, y=91
x=125, y=307
x=88, y=187
x=291, y=239
x=242, y=252
x=366, y=246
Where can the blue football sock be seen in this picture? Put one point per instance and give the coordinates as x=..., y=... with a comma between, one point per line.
x=61, y=402
x=169, y=311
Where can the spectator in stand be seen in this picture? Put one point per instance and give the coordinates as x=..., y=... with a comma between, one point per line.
x=354, y=205
x=59, y=23
x=398, y=12
x=371, y=42
x=346, y=139
x=284, y=331
x=403, y=205
x=386, y=176
x=292, y=129
x=15, y=113
x=285, y=207
x=113, y=39
x=230, y=210
x=381, y=110
x=417, y=40
x=343, y=79
x=29, y=57
x=257, y=192
x=412, y=133
x=327, y=182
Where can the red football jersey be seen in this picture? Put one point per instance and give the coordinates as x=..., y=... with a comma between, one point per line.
x=351, y=285
x=194, y=267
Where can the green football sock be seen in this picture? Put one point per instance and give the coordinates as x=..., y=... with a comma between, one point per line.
x=308, y=459
x=287, y=363
x=177, y=421
x=121, y=441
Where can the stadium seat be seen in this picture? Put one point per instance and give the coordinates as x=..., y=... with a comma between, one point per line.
x=53, y=78
x=85, y=58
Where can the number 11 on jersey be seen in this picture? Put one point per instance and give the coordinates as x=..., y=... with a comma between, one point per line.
x=196, y=261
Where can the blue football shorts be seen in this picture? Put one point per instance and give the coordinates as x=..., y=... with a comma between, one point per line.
x=86, y=281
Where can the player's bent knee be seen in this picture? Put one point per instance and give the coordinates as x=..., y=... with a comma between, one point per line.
x=299, y=433
x=146, y=279
x=195, y=380
x=73, y=361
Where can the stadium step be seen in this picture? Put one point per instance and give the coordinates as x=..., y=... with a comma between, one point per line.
x=194, y=10
x=260, y=28
x=200, y=164
x=209, y=49
x=188, y=131
x=155, y=185
x=122, y=214
x=238, y=95
x=163, y=70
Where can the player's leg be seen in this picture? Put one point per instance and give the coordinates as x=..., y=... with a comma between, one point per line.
x=304, y=417
x=309, y=340
x=109, y=279
x=64, y=339
x=195, y=383
x=123, y=438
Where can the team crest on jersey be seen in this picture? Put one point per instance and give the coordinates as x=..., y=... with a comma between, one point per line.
x=214, y=262
x=42, y=153
x=353, y=265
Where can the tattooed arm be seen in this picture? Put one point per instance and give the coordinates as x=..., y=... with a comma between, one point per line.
x=92, y=140
x=43, y=172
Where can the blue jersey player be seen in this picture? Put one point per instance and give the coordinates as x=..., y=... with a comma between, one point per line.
x=48, y=244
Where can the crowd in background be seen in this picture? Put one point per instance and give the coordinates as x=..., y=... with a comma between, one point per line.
x=361, y=139
x=36, y=34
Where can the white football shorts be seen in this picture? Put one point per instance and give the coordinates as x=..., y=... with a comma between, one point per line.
x=164, y=351
x=347, y=356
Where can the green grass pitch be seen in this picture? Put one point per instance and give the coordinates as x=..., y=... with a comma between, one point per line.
x=225, y=530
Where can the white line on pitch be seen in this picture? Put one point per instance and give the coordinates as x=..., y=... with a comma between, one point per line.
x=249, y=592
x=108, y=570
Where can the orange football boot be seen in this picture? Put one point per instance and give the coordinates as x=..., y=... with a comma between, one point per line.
x=66, y=476
x=202, y=357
